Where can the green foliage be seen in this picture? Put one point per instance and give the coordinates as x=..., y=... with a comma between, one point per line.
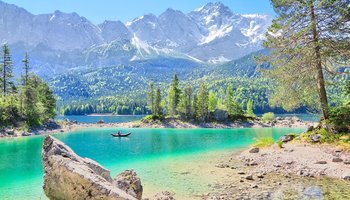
x=33, y=102
x=171, y=101
x=202, y=103
x=213, y=102
x=263, y=142
x=339, y=117
x=280, y=144
x=174, y=94
x=150, y=97
x=250, y=111
x=268, y=116
x=108, y=104
x=6, y=68
x=185, y=105
x=151, y=118
x=157, y=104
x=307, y=39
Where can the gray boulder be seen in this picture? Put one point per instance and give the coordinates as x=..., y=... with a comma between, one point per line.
x=129, y=182
x=315, y=138
x=68, y=176
x=310, y=128
x=254, y=150
x=220, y=115
x=287, y=138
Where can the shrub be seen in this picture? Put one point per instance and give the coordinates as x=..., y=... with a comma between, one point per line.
x=149, y=118
x=263, y=142
x=268, y=116
x=339, y=117
x=280, y=144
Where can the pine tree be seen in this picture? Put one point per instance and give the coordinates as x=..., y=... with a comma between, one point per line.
x=6, y=71
x=250, y=111
x=185, y=105
x=150, y=97
x=157, y=103
x=229, y=99
x=195, y=106
x=175, y=83
x=212, y=101
x=308, y=38
x=202, y=102
x=26, y=68
x=233, y=108
x=171, y=100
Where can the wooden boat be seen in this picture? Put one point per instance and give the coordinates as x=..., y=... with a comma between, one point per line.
x=122, y=135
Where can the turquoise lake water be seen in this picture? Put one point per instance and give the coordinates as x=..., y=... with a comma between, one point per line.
x=145, y=151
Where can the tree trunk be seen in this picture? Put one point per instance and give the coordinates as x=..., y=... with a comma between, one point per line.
x=320, y=77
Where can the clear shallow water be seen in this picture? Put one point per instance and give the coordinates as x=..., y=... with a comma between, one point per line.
x=153, y=153
x=108, y=119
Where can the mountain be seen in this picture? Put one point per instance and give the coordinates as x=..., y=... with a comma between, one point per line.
x=60, y=41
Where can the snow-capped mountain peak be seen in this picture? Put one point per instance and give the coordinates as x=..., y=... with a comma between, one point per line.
x=211, y=33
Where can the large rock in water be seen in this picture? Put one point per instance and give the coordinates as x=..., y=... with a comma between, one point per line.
x=68, y=176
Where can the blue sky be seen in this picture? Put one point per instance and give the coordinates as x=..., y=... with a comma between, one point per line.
x=125, y=10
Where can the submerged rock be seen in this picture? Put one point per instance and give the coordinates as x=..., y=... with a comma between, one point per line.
x=68, y=176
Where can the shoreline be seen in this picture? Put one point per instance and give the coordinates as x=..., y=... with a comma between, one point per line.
x=66, y=127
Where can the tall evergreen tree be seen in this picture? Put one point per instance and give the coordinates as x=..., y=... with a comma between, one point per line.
x=212, y=101
x=229, y=99
x=195, y=106
x=308, y=38
x=6, y=71
x=175, y=83
x=185, y=105
x=250, y=111
x=171, y=100
x=150, y=97
x=202, y=102
x=157, y=103
x=26, y=68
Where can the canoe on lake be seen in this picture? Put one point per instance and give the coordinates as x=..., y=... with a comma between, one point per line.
x=121, y=135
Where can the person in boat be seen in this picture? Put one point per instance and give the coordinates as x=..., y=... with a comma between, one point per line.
x=119, y=133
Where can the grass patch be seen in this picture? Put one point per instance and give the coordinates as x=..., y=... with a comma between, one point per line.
x=263, y=142
x=280, y=144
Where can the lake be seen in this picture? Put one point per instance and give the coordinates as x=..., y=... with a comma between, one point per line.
x=159, y=156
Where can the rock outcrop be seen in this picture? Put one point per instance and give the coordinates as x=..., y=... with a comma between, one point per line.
x=68, y=176
x=129, y=182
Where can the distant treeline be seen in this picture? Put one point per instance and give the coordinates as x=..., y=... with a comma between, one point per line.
x=113, y=105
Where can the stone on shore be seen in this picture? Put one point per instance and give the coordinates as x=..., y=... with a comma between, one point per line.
x=129, y=182
x=254, y=150
x=68, y=176
x=315, y=138
x=337, y=160
x=287, y=138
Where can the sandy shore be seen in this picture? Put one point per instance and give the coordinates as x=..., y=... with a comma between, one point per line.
x=175, y=123
x=64, y=127
x=301, y=159
x=298, y=171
